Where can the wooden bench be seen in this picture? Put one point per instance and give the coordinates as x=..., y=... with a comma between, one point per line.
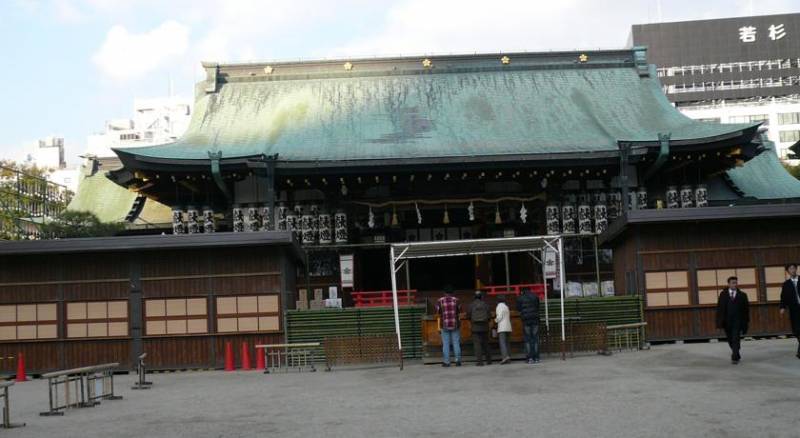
x=80, y=387
x=284, y=357
x=7, y=405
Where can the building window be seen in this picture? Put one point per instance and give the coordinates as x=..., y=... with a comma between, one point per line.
x=709, y=120
x=176, y=316
x=28, y=321
x=251, y=313
x=789, y=118
x=666, y=289
x=710, y=282
x=774, y=276
x=97, y=319
x=789, y=136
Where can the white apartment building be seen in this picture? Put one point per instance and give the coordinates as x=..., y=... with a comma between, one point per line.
x=48, y=153
x=155, y=121
x=780, y=116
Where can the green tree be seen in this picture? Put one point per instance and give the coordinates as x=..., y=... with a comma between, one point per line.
x=25, y=197
x=79, y=224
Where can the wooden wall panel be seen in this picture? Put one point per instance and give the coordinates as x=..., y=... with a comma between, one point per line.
x=698, y=322
x=110, y=276
x=256, y=284
x=40, y=356
x=175, y=351
x=94, y=352
x=96, y=291
x=29, y=293
x=175, y=287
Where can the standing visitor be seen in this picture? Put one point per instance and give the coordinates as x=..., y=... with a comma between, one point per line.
x=733, y=316
x=528, y=308
x=503, y=320
x=448, y=308
x=478, y=315
x=790, y=298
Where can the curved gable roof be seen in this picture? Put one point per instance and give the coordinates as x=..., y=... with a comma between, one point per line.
x=475, y=108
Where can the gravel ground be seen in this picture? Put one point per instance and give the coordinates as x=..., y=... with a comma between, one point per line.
x=688, y=390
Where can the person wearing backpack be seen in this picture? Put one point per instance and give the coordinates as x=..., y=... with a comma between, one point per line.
x=478, y=314
x=528, y=308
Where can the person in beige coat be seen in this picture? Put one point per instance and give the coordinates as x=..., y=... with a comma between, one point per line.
x=503, y=320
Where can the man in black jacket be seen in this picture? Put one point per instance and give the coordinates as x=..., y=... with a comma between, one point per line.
x=528, y=308
x=790, y=299
x=478, y=315
x=733, y=316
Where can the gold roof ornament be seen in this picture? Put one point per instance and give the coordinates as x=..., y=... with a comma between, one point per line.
x=505, y=60
x=427, y=63
x=583, y=57
x=268, y=69
x=348, y=65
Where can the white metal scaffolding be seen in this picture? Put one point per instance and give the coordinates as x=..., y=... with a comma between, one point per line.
x=536, y=246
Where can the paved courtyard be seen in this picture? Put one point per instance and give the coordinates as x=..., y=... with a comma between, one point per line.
x=671, y=391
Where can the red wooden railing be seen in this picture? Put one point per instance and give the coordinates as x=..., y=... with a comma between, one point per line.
x=383, y=298
x=515, y=289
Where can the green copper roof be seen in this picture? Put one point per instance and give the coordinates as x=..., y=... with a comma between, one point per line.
x=764, y=177
x=527, y=107
x=111, y=202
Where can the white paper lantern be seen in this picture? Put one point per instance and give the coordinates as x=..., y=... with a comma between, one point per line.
x=568, y=218
x=673, y=198
x=238, y=220
x=641, y=198
x=687, y=196
x=253, y=219
x=192, y=220
x=266, y=219
x=177, y=221
x=340, y=227
x=701, y=196
x=553, y=223
x=584, y=219
x=281, y=213
x=325, y=232
x=600, y=218
x=208, y=221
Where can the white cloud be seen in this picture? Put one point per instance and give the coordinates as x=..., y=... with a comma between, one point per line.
x=125, y=55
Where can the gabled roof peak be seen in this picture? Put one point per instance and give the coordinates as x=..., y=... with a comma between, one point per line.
x=425, y=63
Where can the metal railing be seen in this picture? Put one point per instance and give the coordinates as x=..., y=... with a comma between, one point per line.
x=285, y=357
x=141, y=371
x=81, y=387
x=632, y=335
x=7, y=406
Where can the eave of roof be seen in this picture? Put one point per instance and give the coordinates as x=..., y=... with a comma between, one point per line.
x=151, y=243
x=704, y=214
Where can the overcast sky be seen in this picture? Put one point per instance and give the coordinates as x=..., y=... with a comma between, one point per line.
x=66, y=66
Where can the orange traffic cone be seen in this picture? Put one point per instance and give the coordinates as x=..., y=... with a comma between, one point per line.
x=260, y=365
x=229, y=357
x=246, y=358
x=21, y=377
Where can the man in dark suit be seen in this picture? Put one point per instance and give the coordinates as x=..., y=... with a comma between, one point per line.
x=790, y=299
x=733, y=315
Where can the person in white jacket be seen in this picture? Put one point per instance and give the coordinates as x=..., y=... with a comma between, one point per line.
x=503, y=320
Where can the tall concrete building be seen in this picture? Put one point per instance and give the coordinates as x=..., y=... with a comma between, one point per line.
x=733, y=70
